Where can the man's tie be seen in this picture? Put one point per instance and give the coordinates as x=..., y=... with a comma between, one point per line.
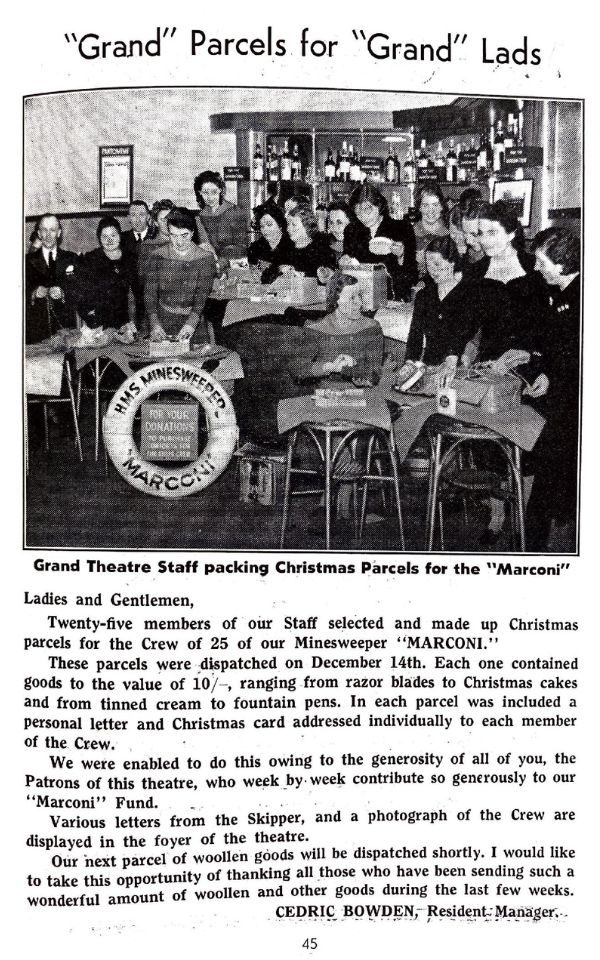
x=52, y=268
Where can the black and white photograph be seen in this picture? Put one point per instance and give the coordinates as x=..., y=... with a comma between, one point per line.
x=302, y=319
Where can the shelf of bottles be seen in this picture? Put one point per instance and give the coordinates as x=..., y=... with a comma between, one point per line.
x=325, y=166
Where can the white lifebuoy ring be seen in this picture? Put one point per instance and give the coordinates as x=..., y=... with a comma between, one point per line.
x=117, y=429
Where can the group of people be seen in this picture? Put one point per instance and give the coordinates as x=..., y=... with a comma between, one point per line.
x=153, y=278
x=480, y=295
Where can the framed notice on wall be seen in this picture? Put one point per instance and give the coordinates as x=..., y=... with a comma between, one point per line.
x=115, y=176
x=518, y=194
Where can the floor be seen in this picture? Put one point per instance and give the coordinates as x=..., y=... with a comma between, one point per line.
x=79, y=505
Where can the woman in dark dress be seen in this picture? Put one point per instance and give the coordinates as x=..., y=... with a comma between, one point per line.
x=514, y=294
x=552, y=509
x=348, y=237
x=273, y=247
x=391, y=242
x=514, y=301
x=310, y=249
x=106, y=281
x=447, y=312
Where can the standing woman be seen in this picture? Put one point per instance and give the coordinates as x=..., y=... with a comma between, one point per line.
x=179, y=278
x=391, y=242
x=432, y=212
x=223, y=222
x=552, y=509
x=106, y=282
x=514, y=293
x=514, y=307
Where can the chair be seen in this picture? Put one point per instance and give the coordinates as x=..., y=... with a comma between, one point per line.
x=448, y=438
x=337, y=446
x=45, y=401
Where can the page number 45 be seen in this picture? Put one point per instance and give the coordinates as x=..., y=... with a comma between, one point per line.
x=310, y=943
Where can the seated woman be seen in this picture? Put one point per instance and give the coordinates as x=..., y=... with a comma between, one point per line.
x=309, y=249
x=179, y=278
x=273, y=247
x=104, y=294
x=348, y=237
x=392, y=242
x=447, y=312
x=432, y=212
x=345, y=343
x=223, y=222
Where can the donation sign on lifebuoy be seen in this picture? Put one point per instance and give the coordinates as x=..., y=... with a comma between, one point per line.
x=221, y=425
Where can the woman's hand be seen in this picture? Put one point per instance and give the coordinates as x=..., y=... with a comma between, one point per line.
x=539, y=387
x=185, y=333
x=55, y=293
x=348, y=262
x=337, y=365
x=324, y=274
x=509, y=360
x=127, y=333
x=157, y=334
x=40, y=292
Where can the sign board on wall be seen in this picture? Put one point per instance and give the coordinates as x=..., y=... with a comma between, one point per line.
x=115, y=176
x=169, y=431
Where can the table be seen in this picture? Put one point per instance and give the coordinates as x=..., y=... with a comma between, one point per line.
x=44, y=369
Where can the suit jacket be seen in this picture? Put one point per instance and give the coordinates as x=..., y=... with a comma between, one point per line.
x=45, y=316
x=130, y=245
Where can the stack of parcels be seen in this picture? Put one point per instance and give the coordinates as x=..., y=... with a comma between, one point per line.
x=478, y=386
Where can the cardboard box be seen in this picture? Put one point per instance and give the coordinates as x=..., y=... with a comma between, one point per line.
x=262, y=475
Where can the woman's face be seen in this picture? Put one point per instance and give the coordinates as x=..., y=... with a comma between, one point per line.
x=431, y=209
x=297, y=230
x=368, y=214
x=494, y=239
x=270, y=230
x=110, y=239
x=211, y=195
x=337, y=223
x=350, y=301
x=181, y=239
x=161, y=222
x=438, y=268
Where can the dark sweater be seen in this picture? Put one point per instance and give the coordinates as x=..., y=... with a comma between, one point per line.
x=308, y=259
x=440, y=328
x=104, y=287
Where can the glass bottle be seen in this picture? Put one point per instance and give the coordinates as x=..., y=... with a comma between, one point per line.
x=258, y=167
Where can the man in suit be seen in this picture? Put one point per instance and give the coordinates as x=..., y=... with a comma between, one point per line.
x=49, y=277
x=142, y=228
